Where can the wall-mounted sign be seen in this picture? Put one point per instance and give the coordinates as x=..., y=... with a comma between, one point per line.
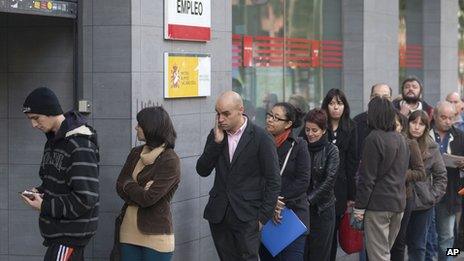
x=187, y=75
x=188, y=20
x=40, y=7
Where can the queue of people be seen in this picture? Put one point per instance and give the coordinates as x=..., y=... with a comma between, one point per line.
x=388, y=167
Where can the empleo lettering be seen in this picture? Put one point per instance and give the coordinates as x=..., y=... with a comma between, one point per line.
x=189, y=7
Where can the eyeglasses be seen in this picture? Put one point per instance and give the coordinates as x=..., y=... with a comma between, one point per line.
x=270, y=116
x=388, y=97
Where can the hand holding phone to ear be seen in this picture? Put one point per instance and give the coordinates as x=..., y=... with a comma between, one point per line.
x=218, y=132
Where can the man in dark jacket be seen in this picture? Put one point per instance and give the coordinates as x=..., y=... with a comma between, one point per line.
x=411, y=98
x=246, y=183
x=68, y=197
x=451, y=141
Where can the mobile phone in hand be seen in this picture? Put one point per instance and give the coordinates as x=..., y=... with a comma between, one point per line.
x=28, y=194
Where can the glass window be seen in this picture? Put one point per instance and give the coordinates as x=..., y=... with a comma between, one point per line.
x=410, y=40
x=285, y=50
x=461, y=46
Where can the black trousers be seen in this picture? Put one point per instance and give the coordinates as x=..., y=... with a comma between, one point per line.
x=334, y=248
x=64, y=253
x=459, y=242
x=397, y=251
x=321, y=229
x=234, y=239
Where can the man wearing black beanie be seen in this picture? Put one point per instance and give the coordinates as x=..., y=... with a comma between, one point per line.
x=68, y=197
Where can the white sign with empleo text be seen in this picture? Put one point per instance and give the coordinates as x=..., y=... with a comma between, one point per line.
x=187, y=20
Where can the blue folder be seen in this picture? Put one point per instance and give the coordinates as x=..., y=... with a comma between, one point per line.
x=277, y=237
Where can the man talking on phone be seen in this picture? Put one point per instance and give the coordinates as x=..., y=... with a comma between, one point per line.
x=68, y=197
x=246, y=183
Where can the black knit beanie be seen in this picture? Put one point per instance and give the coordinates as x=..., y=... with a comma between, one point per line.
x=42, y=101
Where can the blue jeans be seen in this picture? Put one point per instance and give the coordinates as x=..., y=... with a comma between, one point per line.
x=138, y=253
x=445, y=229
x=416, y=237
x=363, y=254
x=432, y=238
x=293, y=252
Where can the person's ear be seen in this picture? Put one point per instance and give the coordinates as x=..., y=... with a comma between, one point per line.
x=241, y=109
x=288, y=125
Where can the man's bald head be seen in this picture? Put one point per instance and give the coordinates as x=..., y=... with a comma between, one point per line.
x=381, y=90
x=444, y=115
x=231, y=98
x=452, y=96
x=229, y=109
x=455, y=99
x=444, y=106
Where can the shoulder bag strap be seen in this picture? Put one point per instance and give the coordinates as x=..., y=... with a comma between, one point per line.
x=286, y=159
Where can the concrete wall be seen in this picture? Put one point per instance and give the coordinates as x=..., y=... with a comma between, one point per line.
x=121, y=71
x=370, y=31
x=105, y=80
x=440, y=53
x=353, y=62
x=192, y=117
x=381, y=50
x=34, y=51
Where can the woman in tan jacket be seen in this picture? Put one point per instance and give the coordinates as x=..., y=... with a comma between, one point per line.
x=147, y=184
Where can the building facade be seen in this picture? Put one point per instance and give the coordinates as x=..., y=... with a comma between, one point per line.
x=111, y=54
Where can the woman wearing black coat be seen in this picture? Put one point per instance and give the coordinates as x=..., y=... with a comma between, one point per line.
x=341, y=132
x=324, y=166
x=280, y=122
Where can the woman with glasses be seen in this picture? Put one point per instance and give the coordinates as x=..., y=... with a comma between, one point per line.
x=342, y=133
x=324, y=166
x=295, y=170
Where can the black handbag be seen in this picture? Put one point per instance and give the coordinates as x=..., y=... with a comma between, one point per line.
x=116, y=251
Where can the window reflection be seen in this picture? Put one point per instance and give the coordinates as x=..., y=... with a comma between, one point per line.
x=461, y=46
x=410, y=40
x=285, y=50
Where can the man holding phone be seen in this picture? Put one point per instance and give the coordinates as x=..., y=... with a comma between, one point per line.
x=68, y=197
x=30, y=194
x=247, y=180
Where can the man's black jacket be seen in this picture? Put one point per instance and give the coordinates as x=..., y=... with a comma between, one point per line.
x=250, y=183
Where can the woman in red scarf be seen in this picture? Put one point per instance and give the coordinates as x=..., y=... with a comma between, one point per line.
x=293, y=150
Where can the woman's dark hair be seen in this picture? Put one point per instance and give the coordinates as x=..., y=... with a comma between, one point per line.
x=403, y=121
x=338, y=94
x=291, y=113
x=317, y=116
x=381, y=114
x=424, y=118
x=157, y=127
